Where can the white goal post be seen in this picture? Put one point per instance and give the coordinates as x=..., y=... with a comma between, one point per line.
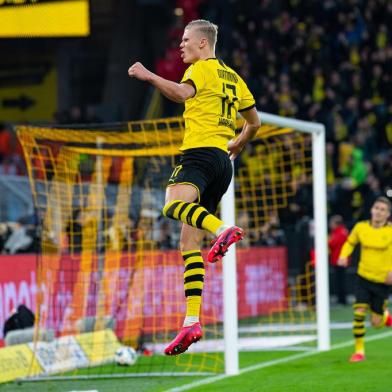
x=317, y=131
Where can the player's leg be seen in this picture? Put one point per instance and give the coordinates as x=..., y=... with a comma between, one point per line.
x=387, y=318
x=197, y=216
x=361, y=305
x=380, y=314
x=190, y=244
x=183, y=194
x=359, y=331
x=181, y=205
x=381, y=320
x=211, y=199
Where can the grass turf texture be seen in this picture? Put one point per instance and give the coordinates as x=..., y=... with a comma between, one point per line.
x=327, y=371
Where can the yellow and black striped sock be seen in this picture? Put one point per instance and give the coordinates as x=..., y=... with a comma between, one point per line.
x=359, y=331
x=193, y=283
x=192, y=214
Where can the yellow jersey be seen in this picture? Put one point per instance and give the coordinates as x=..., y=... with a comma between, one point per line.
x=376, y=250
x=210, y=115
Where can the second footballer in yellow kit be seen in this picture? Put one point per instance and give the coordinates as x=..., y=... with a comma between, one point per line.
x=374, y=271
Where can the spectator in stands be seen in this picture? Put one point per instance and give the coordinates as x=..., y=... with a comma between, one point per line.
x=148, y=226
x=91, y=115
x=271, y=234
x=323, y=61
x=337, y=237
x=244, y=221
x=355, y=171
x=76, y=115
x=165, y=239
x=6, y=150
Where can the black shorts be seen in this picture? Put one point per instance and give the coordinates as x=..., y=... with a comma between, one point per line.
x=209, y=169
x=371, y=293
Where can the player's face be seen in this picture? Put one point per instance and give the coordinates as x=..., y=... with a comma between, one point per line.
x=380, y=213
x=190, y=46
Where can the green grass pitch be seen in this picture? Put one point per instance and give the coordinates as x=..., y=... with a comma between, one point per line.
x=274, y=371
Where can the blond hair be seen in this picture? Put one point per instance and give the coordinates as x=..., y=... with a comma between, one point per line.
x=210, y=30
x=385, y=200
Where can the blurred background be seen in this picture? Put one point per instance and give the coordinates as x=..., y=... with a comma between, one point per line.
x=327, y=61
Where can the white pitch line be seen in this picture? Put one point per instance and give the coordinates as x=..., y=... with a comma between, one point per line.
x=273, y=363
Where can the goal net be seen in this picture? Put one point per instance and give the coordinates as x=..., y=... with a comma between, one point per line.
x=109, y=272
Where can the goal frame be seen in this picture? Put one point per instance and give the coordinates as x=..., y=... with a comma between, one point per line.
x=230, y=330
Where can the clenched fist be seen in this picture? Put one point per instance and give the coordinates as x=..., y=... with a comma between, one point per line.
x=139, y=71
x=234, y=149
x=342, y=262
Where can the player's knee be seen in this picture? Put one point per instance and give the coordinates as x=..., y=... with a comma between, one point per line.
x=360, y=311
x=183, y=246
x=377, y=321
x=377, y=324
x=189, y=244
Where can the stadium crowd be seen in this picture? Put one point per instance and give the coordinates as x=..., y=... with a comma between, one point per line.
x=329, y=62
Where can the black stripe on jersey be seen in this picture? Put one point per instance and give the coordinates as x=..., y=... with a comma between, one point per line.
x=222, y=63
x=248, y=108
x=192, y=83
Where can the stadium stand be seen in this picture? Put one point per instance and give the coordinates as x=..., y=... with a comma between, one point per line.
x=328, y=62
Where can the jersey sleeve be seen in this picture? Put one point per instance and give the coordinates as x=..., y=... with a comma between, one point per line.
x=247, y=101
x=351, y=242
x=194, y=75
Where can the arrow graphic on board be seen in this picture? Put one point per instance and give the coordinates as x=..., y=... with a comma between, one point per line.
x=23, y=102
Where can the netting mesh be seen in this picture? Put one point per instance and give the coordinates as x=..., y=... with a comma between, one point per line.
x=109, y=271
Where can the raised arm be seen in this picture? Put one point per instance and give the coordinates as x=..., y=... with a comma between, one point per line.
x=251, y=125
x=177, y=92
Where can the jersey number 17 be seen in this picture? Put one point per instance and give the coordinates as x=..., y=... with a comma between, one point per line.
x=228, y=101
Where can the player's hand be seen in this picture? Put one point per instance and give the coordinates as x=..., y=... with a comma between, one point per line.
x=139, y=71
x=234, y=149
x=388, y=280
x=342, y=262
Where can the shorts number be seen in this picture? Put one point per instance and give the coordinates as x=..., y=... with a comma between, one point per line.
x=176, y=170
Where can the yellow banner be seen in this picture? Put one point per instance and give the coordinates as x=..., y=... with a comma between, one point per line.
x=63, y=354
x=47, y=19
x=17, y=362
x=99, y=346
